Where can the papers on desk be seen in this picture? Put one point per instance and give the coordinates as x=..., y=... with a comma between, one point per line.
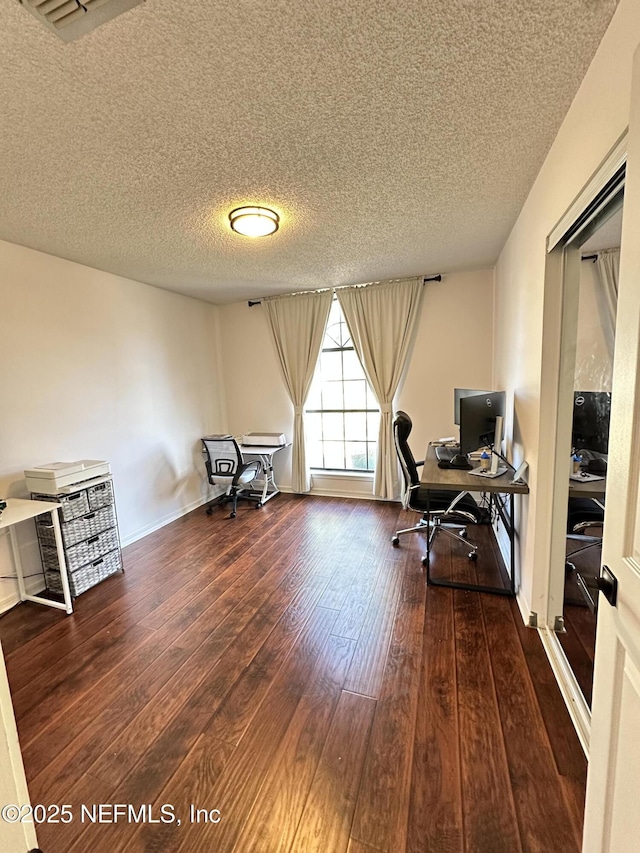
x=487, y=472
x=585, y=477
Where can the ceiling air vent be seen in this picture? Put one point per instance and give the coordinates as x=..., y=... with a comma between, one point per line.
x=70, y=19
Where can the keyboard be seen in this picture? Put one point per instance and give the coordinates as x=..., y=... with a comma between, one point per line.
x=446, y=454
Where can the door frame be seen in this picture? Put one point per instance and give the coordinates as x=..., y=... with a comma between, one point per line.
x=559, y=332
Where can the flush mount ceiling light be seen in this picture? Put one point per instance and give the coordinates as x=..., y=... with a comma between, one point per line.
x=254, y=221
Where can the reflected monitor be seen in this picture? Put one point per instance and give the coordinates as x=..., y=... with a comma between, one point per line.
x=591, y=412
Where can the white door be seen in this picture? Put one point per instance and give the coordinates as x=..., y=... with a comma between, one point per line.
x=15, y=836
x=612, y=819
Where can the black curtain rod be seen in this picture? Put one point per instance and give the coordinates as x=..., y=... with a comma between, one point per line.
x=253, y=302
x=593, y=258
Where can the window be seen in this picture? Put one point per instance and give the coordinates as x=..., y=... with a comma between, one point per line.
x=342, y=415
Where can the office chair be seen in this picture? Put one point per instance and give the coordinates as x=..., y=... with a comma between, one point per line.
x=583, y=513
x=226, y=467
x=442, y=508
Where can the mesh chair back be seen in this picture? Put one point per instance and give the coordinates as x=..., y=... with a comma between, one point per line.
x=222, y=458
x=402, y=426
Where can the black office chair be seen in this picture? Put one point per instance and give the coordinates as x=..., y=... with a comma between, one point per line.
x=226, y=467
x=583, y=514
x=444, y=506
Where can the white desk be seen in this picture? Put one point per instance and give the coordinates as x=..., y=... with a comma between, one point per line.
x=19, y=510
x=265, y=454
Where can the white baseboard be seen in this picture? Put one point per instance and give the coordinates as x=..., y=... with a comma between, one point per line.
x=167, y=519
x=569, y=688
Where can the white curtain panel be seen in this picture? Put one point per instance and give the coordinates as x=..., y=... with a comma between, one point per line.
x=382, y=320
x=608, y=267
x=297, y=325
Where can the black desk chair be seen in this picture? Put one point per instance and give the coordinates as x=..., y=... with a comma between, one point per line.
x=583, y=514
x=444, y=506
x=226, y=467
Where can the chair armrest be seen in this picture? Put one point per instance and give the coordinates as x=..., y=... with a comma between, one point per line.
x=418, y=464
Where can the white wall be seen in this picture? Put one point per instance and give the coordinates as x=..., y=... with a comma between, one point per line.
x=453, y=347
x=95, y=366
x=596, y=119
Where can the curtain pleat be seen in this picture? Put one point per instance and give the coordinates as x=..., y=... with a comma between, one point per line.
x=297, y=324
x=382, y=319
x=608, y=267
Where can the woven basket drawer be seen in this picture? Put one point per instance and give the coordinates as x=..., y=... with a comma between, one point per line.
x=71, y=506
x=86, y=576
x=100, y=495
x=84, y=552
x=78, y=529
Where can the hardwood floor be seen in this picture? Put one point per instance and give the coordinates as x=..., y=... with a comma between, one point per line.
x=291, y=670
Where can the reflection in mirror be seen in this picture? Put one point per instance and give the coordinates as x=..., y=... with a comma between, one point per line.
x=595, y=343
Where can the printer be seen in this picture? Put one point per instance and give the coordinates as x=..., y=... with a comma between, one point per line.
x=56, y=478
x=264, y=439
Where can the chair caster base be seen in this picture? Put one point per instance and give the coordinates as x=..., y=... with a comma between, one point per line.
x=473, y=556
x=395, y=541
x=425, y=561
x=232, y=515
x=209, y=510
x=259, y=504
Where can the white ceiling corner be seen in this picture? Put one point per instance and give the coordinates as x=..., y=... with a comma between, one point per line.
x=393, y=139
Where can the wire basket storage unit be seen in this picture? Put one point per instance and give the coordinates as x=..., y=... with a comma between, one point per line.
x=90, y=538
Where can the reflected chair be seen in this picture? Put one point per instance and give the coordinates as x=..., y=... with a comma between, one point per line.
x=226, y=468
x=583, y=514
x=447, y=511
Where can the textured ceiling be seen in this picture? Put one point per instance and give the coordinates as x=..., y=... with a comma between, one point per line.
x=392, y=138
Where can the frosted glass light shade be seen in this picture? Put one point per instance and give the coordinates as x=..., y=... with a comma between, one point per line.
x=254, y=221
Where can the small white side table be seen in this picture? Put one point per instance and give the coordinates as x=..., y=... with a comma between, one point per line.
x=22, y=510
x=265, y=454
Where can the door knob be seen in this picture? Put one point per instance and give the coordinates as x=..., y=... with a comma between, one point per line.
x=608, y=585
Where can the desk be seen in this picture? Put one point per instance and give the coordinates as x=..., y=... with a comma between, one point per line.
x=456, y=480
x=587, y=488
x=265, y=454
x=19, y=510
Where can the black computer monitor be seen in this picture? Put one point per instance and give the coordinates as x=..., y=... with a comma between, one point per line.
x=478, y=420
x=591, y=412
x=458, y=394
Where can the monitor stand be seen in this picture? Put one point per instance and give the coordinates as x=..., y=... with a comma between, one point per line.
x=496, y=469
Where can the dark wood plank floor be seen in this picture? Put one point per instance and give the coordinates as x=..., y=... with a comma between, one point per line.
x=291, y=670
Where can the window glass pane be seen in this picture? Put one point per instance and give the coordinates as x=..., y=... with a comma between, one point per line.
x=355, y=394
x=373, y=425
x=314, y=400
x=314, y=454
x=372, y=453
x=352, y=367
x=333, y=426
x=313, y=427
x=331, y=366
x=357, y=455
x=334, y=454
x=355, y=425
x=332, y=395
